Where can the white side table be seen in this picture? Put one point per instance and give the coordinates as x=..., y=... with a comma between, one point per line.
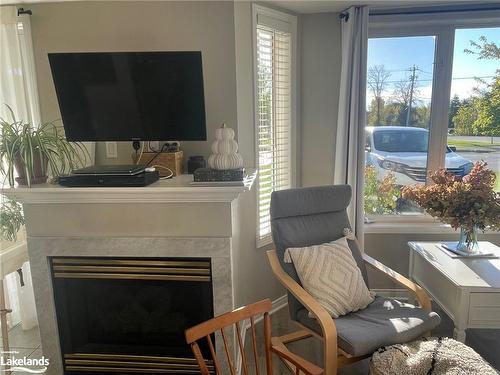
x=468, y=290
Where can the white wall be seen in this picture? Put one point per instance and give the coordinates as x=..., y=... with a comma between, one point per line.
x=142, y=26
x=320, y=80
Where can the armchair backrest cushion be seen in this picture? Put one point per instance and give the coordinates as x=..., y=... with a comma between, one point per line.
x=310, y=216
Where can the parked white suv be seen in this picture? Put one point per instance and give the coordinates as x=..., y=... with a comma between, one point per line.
x=403, y=150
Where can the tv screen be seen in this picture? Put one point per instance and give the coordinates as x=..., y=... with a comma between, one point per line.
x=124, y=96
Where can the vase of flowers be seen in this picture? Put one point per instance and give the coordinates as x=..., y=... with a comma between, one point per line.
x=468, y=240
x=469, y=203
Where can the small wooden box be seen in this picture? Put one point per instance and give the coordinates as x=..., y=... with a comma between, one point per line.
x=171, y=160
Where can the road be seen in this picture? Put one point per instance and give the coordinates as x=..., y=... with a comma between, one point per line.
x=492, y=158
x=488, y=153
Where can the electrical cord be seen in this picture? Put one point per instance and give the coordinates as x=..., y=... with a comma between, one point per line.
x=156, y=155
x=167, y=168
x=171, y=173
x=137, y=159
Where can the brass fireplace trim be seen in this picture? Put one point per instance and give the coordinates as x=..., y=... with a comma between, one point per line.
x=90, y=362
x=131, y=262
x=129, y=276
x=104, y=269
x=95, y=268
x=128, y=357
x=131, y=370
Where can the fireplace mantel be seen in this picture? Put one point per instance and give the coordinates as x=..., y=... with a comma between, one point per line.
x=170, y=218
x=178, y=189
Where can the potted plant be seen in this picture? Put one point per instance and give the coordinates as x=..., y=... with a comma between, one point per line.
x=469, y=203
x=11, y=219
x=35, y=152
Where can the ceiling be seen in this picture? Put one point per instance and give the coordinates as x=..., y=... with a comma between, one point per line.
x=305, y=6
x=322, y=6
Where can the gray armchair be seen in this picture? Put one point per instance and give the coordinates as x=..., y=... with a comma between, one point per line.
x=311, y=216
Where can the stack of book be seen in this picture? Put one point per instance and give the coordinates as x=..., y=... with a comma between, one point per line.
x=214, y=177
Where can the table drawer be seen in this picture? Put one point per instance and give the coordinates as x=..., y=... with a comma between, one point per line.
x=437, y=285
x=484, y=308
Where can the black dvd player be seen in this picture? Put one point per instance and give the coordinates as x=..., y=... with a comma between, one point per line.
x=109, y=180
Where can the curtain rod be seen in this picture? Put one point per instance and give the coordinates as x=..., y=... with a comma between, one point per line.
x=24, y=11
x=430, y=10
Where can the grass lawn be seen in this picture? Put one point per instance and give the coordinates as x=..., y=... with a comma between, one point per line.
x=459, y=143
x=497, y=181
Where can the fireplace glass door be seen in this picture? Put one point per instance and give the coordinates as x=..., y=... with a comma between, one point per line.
x=129, y=312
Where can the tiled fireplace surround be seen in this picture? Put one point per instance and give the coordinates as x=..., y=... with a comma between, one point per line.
x=167, y=221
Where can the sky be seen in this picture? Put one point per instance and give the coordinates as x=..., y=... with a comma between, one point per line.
x=398, y=55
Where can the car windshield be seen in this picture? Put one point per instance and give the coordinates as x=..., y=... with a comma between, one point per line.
x=401, y=140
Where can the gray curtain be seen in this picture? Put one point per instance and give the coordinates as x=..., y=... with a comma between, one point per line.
x=349, y=153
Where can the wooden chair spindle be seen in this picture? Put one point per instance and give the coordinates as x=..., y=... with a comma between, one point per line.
x=254, y=345
x=214, y=356
x=228, y=352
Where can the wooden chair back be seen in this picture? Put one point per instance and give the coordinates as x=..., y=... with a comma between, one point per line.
x=219, y=324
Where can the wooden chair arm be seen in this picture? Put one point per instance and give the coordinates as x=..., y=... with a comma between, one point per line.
x=304, y=365
x=324, y=319
x=414, y=288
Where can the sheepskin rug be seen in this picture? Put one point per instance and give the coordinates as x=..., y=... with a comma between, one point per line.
x=436, y=356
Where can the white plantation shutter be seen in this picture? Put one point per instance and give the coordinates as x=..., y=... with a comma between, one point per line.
x=274, y=114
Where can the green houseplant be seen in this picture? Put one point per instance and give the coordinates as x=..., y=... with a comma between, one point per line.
x=35, y=152
x=11, y=219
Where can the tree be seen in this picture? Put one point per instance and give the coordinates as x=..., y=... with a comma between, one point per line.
x=488, y=119
x=377, y=80
x=373, y=116
x=423, y=116
x=455, y=104
x=465, y=117
x=481, y=114
x=483, y=49
x=406, y=94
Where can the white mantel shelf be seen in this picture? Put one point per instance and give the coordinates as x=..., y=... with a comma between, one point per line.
x=177, y=189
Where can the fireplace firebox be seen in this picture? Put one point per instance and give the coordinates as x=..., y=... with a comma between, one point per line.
x=128, y=315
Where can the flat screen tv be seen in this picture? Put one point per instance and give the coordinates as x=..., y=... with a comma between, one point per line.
x=130, y=96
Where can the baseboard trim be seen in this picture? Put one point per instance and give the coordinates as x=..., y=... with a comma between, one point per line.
x=276, y=305
x=279, y=303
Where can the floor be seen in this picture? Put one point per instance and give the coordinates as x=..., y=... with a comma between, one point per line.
x=24, y=343
x=485, y=342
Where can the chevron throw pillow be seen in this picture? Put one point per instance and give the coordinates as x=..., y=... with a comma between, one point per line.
x=329, y=273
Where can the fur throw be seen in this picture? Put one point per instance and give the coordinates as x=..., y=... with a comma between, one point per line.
x=436, y=356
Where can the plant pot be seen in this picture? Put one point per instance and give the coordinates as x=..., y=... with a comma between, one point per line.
x=39, y=175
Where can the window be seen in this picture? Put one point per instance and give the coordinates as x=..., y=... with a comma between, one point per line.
x=399, y=96
x=474, y=116
x=413, y=126
x=274, y=35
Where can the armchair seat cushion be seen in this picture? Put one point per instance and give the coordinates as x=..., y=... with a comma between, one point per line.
x=384, y=322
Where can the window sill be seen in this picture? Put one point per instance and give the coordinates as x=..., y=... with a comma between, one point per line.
x=430, y=227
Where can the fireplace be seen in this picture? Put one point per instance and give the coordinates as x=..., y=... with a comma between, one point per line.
x=128, y=315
